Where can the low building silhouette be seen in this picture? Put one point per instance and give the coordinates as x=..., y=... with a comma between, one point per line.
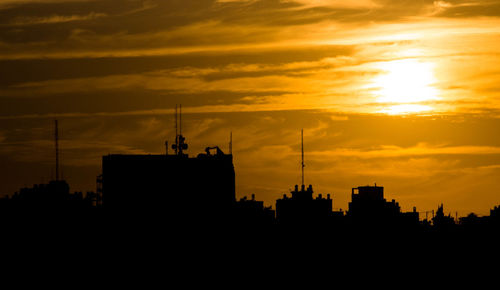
x=302, y=208
x=472, y=222
x=54, y=193
x=253, y=212
x=442, y=222
x=369, y=207
x=43, y=202
x=368, y=202
x=410, y=218
x=495, y=215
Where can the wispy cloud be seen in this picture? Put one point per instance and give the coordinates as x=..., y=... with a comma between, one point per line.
x=8, y=3
x=421, y=149
x=55, y=19
x=335, y=3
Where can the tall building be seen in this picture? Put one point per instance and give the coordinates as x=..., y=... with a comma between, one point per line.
x=169, y=186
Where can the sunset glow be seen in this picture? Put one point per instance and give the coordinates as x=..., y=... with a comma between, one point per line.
x=403, y=84
x=406, y=109
x=386, y=91
x=405, y=81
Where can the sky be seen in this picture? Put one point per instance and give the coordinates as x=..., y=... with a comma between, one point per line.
x=404, y=94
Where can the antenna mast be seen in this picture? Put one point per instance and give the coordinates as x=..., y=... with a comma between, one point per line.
x=56, y=137
x=176, y=132
x=180, y=144
x=231, y=142
x=302, y=149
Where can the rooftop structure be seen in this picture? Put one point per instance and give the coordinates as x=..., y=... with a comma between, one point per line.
x=168, y=182
x=301, y=207
x=368, y=205
x=253, y=212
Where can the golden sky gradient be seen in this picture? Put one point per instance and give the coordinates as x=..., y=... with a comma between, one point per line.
x=401, y=93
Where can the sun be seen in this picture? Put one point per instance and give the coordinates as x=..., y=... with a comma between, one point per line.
x=404, y=84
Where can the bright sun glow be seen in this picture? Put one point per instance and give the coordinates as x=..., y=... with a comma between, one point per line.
x=406, y=109
x=404, y=84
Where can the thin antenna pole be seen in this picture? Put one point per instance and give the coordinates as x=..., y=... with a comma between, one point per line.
x=176, y=133
x=56, y=137
x=180, y=119
x=231, y=142
x=302, y=149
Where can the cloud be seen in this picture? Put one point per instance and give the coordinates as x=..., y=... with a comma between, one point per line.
x=422, y=149
x=197, y=109
x=55, y=19
x=335, y=3
x=9, y=3
x=235, y=1
x=463, y=8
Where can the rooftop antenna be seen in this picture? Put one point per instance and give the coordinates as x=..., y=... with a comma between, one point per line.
x=176, y=132
x=180, y=144
x=231, y=142
x=56, y=137
x=302, y=149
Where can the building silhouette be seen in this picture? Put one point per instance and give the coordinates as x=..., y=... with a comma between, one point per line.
x=495, y=213
x=171, y=188
x=252, y=212
x=48, y=205
x=442, y=222
x=369, y=207
x=162, y=191
x=303, y=208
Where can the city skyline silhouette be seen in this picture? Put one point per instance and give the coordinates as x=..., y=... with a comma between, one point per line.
x=178, y=148
x=176, y=190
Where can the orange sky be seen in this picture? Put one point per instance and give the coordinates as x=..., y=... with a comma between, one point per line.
x=401, y=93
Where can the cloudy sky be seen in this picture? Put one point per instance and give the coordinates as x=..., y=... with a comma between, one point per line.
x=401, y=93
